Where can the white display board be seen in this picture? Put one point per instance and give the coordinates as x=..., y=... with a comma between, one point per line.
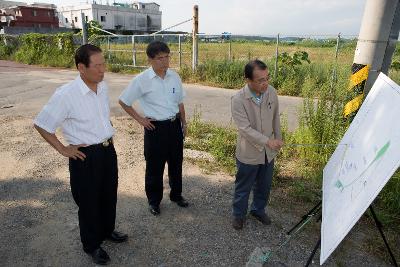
x=362, y=163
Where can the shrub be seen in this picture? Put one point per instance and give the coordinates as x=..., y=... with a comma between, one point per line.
x=49, y=50
x=228, y=74
x=8, y=46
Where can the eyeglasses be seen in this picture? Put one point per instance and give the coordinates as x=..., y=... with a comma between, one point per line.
x=98, y=66
x=162, y=58
x=263, y=80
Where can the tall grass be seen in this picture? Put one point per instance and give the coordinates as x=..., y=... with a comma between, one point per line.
x=224, y=73
x=49, y=50
x=321, y=122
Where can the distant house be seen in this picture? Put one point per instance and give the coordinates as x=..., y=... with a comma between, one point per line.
x=19, y=18
x=136, y=17
x=35, y=15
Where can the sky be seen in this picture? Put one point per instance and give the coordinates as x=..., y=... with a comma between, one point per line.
x=258, y=17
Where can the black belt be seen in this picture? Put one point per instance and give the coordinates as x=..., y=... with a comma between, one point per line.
x=105, y=143
x=169, y=120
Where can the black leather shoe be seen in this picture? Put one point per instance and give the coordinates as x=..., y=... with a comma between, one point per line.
x=238, y=223
x=117, y=237
x=263, y=218
x=155, y=210
x=99, y=256
x=181, y=203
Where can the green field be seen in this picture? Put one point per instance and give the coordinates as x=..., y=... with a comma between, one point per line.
x=221, y=63
x=241, y=51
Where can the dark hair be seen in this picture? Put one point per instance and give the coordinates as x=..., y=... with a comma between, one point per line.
x=83, y=53
x=254, y=64
x=156, y=47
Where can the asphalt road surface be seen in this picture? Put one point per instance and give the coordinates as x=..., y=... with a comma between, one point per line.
x=25, y=89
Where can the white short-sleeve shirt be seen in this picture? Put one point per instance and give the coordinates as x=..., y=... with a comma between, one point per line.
x=159, y=98
x=83, y=115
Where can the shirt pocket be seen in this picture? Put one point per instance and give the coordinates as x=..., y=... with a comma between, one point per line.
x=174, y=93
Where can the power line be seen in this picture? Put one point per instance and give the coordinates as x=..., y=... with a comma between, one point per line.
x=173, y=26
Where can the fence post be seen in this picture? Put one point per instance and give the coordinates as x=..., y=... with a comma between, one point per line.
x=337, y=45
x=276, y=57
x=108, y=48
x=194, y=37
x=134, y=50
x=230, y=50
x=334, y=73
x=180, y=51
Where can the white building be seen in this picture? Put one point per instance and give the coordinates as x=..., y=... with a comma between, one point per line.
x=138, y=17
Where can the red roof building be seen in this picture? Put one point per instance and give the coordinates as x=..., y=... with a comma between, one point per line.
x=33, y=16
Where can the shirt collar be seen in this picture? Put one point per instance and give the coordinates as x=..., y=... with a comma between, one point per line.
x=153, y=74
x=248, y=94
x=85, y=89
x=256, y=96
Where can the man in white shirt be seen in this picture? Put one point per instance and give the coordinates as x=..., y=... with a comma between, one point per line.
x=81, y=109
x=160, y=93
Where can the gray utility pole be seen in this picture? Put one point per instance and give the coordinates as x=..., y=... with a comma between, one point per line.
x=195, y=37
x=393, y=37
x=374, y=48
x=376, y=44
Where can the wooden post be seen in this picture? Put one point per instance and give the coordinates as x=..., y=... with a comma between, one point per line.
x=180, y=51
x=108, y=48
x=194, y=37
x=230, y=50
x=334, y=73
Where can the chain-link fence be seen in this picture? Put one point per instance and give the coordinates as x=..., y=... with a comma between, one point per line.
x=130, y=50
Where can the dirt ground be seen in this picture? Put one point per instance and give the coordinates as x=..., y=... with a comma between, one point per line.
x=40, y=226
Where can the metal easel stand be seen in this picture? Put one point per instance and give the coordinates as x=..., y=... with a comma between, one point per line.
x=318, y=244
x=316, y=210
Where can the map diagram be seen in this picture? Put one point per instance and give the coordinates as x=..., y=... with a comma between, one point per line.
x=362, y=163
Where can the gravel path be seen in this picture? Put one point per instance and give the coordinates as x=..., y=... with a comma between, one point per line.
x=40, y=227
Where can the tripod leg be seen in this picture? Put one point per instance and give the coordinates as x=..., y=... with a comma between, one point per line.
x=316, y=207
x=379, y=226
x=313, y=252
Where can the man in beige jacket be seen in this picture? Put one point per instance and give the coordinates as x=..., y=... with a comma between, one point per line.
x=255, y=111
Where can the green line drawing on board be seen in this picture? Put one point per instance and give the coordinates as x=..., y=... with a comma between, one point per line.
x=378, y=156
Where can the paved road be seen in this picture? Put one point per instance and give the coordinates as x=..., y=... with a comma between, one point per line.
x=27, y=89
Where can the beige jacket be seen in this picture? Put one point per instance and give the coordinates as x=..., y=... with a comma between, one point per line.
x=256, y=124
